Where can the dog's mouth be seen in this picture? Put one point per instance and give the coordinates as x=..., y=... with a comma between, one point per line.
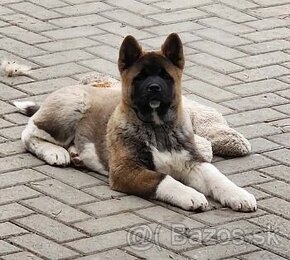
x=154, y=103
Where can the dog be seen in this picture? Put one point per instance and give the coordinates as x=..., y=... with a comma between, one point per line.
x=153, y=142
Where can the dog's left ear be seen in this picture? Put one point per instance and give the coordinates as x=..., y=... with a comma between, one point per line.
x=172, y=48
x=130, y=52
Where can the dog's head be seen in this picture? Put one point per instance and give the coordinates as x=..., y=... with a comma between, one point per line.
x=151, y=81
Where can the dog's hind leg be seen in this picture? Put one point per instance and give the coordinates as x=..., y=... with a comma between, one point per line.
x=44, y=146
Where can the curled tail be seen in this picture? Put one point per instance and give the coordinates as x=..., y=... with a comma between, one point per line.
x=28, y=108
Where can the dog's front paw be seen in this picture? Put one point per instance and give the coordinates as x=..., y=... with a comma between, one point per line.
x=190, y=199
x=57, y=156
x=239, y=199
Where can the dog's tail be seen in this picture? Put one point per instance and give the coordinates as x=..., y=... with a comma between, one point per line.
x=28, y=108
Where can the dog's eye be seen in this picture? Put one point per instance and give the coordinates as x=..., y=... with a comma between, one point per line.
x=163, y=74
x=140, y=76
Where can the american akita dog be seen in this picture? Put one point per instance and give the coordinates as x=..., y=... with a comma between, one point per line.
x=152, y=141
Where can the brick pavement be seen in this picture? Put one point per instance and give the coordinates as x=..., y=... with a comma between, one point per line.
x=237, y=60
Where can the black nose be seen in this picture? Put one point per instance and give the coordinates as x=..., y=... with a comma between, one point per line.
x=153, y=88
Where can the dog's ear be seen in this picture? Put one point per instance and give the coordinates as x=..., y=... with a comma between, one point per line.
x=130, y=52
x=172, y=49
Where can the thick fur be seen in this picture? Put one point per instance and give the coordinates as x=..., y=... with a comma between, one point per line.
x=151, y=148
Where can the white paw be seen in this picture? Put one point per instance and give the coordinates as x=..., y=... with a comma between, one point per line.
x=239, y=199
x=190, y=199
x=57, y=156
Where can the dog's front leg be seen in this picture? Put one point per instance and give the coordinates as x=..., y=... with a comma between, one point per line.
x=207, y=179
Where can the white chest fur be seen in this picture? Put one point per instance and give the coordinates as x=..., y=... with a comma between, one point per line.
x=174, y=163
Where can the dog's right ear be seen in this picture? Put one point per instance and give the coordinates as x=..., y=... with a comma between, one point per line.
x=130, y=52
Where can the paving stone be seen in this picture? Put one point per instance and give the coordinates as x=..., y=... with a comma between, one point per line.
x=275, y=205
x=18, y=161
x=21, y=255
x=4, y=123
x=282, y=139
x=6, y=108
x=20, y=177
x=267, y=35
x=43, y=246
x=62, y=192
x=46, y=86
x=272, y=11
x=266, y=255
x=13, y=210
x=280, y=172
x=259, y=195
x=281, y=155
x=267, y=23
x=51, y=4
x=109, y=255
x=249, y=178
x=103, y=208
x=255, y=102
x=69, y=176
x=10, y=93
x=240, y=4
x=8, y=229
x=180, y=15
x=101, y=242
x=278, y=188
x=257, y=130
x=211, y=76
x=16, y=193
x=49, y=228
x=55, y=209
x=247, y=163
x=105, y=51
x=259, y=87
x=108, y=39
x=103, y=192
x=6, y=248
x=105, y=224
x=168, y=217
x=182, y=4
x=227, y=13
x=260, y=145
x=89, y=19
x=86, y=8
x=221, y=250
x=16, y=118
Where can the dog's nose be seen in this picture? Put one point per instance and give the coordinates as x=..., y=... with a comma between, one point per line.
x=153, y=88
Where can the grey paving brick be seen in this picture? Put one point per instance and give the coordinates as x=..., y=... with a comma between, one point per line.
x=254, y=116
x=18, y=161
x=277, y=206
x=86, y=8
x=282, y=139
x=16, y=193
x=249, y=178
x=72, y=32
x=68, y=44
x=105, y=51
x=20, y=177
x=34, y=10
x=182, y=4
x=214, y=63
x=69, y=176
x=267, y=23
x=89, y=19
x=108, y=39
x=46, y=86
x=13, y=210
x=113, y=206
x=168, y=217
x=279, y=172
x=49, y=228
x=16, y=118
x=278, y=188
x=240, y=4
x=43, y=246
x=55, y=209
x=180, y=15
x=281, y=155
x=62, y=192
x=103, y=192
x=50, y=4
x=101, y=242
x=15, y=46
x=272, y=11
x=6, y=108
x=105, y=224
x=260, y=145
x=227, y=13
x=8, y=229
x=7, y=92
x=221, y=37
x=256, y=130
x=250, y=162
x=13, y=132
x=109, y=254
x=221, y=250
x=4, y=10
x=216, y=49
x=206, y=90
x=258, y=87
x=259, y=195
x=267, y=35
x=21, y=255
x=28, y=22
x=4, y=123
x=134, y=6
x=266, y=255
x=255, y=102
x=62, y=70
x=6, y=248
